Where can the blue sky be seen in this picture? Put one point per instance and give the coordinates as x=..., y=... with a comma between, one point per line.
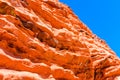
x=102, y=17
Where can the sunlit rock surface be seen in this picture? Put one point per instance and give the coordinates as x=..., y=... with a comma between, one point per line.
x=45, y=40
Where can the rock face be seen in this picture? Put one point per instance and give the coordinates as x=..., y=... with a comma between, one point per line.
x=44, y=40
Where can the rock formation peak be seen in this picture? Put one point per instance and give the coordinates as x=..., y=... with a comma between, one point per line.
x=45, y=40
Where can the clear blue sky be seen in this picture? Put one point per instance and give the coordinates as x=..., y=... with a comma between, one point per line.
x=102, y=17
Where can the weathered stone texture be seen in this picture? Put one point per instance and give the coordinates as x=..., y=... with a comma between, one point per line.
x=45, y=40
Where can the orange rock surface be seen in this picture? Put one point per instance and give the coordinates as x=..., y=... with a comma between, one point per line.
x=45, y=40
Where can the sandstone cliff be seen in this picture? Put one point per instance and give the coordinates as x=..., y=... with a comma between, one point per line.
x=44, y=40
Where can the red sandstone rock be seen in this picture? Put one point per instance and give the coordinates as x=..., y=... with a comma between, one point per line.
x=44, y=40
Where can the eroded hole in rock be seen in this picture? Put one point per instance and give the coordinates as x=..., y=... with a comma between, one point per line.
x=26, y=24
x=42, y=36
x=86, y=33
x=81, y=30
x=11, y=45
x=20, y=49
x=45, y=37
x=1, y=38
x=63, y=48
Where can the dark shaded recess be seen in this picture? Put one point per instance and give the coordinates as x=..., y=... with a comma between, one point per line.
x=45, y=37
x=41, y=35
x=81, y=30
x=11, y=45
x=86, y=33
x=63, y=48
x=26, y=24
x=93, y=56
x=0, y=38
x=78, y=72
x=20, y=49
x=98, y=74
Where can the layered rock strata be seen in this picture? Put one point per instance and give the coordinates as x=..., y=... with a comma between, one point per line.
x=45, y=40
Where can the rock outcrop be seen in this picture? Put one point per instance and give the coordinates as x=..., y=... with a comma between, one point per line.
x=45, y=40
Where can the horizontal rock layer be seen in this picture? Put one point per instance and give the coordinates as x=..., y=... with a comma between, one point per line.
x=45, y=40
